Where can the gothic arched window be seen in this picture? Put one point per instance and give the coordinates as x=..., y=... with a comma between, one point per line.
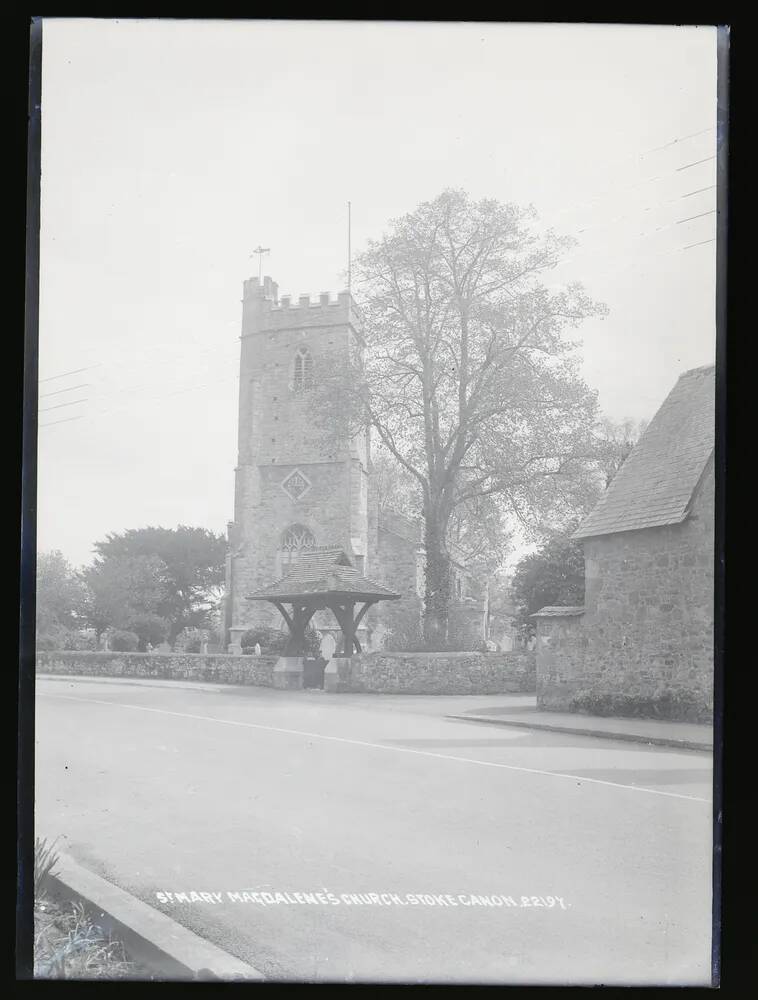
x=294, y=540
x=303, y=373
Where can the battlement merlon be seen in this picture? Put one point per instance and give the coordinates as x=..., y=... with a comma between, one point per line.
x=264, y=310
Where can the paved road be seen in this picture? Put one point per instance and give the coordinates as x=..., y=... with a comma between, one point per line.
x=179, y=789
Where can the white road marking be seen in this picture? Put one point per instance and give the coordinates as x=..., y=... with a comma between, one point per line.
x=376, y=746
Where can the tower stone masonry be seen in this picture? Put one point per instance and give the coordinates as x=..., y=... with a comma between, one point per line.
x=294, y=487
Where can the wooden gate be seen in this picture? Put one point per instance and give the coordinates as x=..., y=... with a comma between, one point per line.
x=313, y=672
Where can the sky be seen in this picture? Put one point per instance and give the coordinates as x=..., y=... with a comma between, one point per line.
x=172, y=149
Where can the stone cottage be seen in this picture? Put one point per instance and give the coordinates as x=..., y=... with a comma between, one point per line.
x=295, y=491
x=642, y=644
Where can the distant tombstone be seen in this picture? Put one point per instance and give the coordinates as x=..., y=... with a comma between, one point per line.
x=257, y=649
x=328, y=646
x=506, y=643
x=204, y=647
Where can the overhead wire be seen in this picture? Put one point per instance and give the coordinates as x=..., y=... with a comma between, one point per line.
x=623, y=187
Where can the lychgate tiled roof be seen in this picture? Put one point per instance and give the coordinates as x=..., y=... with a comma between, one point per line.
x=324, y=571
x=656, y=483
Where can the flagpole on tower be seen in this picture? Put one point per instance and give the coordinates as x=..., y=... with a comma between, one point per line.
x=260, y=251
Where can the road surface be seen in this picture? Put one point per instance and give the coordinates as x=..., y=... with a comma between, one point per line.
x=430, y=850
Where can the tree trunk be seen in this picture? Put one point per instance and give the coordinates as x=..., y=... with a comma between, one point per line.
x=437, y=599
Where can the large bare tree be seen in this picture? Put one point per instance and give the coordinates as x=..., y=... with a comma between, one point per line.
x=466, y=376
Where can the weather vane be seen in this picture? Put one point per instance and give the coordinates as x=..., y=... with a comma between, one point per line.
x=260, y=251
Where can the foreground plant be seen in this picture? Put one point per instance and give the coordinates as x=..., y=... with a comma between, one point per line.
x=67, y=945
x=45, y=860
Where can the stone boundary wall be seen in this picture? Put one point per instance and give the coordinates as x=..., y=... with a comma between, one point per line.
x=433, y=673
x=370, y=673
x=219, y=668
x=560, y=652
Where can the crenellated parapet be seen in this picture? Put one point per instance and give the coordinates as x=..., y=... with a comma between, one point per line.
x=265, y=309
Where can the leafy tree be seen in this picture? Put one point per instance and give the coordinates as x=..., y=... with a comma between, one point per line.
x=60, y=598
x=467, y=379
x=479, y=533
x=553, y=575
x=151, y=629
x=123, y=588
x=191, y=573
x=83, y=641
x=396, y=488
x=123, y=641
x=615, y=441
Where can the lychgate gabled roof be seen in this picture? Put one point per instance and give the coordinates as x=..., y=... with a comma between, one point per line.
x=324, y=572
x=656, y=484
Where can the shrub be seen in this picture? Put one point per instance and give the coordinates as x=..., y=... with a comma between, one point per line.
x=83, y=641
x=124, y=642
x=190, y=640
x=271, y=640
x=675, y=706
x=150, y=629
x=48, y=642
x=52, y=636
x=58, y=638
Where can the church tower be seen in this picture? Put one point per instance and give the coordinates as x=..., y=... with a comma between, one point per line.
x=294, y=489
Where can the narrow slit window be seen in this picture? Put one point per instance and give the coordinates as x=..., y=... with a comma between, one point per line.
x=303, y=375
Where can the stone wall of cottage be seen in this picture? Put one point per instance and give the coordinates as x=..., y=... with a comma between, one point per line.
x=645, y=643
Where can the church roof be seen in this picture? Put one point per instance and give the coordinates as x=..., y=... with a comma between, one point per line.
x=656, y=484
x=324, y=572
x=409, y=528
x=557, y=612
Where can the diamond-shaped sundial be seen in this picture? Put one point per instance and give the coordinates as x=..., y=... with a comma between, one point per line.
x=296, y=485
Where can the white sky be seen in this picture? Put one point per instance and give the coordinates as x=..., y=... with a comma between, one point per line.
x=171, y=149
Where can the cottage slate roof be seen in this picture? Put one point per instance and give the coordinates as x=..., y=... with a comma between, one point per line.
x=325, y=571
x=552, y=612
x=656, y=484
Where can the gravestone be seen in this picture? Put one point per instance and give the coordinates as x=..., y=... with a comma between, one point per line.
x=328, y=645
